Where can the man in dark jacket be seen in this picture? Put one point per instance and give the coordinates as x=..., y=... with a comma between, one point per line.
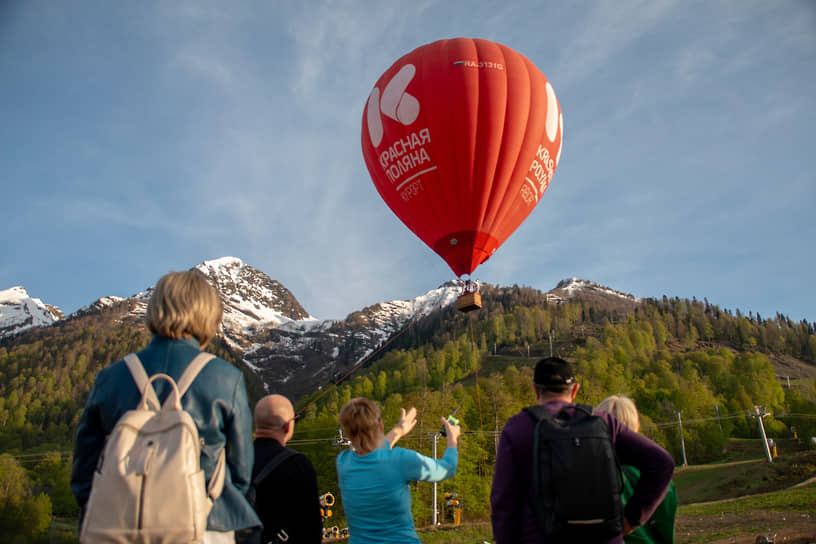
x=184, y=313
x=287, y=499
x=512, y=491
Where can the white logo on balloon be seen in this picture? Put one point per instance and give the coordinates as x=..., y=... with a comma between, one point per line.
x=394, y=103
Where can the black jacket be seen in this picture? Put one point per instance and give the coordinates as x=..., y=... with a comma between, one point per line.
x=288, y=498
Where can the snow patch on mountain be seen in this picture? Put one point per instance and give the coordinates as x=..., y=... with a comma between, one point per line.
x=19, y=312
x=327, y=350
x=388, y=317
x=99, y=304
x=573, y=286
x=253, y=301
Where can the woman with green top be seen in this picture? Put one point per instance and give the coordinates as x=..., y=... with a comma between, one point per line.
x=660, y=528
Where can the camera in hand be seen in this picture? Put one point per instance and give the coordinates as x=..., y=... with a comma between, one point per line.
x=453, y=421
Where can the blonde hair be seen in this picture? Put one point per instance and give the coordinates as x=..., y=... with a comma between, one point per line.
x=360, y=419
x=184, y=304
x=621, y=408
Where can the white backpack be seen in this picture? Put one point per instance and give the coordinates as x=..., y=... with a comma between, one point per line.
x=149, y=486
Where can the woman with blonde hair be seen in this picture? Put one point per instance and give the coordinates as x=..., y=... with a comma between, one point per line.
x=660, y=527
x=373, y=476
x=184, y=314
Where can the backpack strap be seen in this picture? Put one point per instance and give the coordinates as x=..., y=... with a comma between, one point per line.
x=216, y=483
x=142, y=382
x=539, y=412
x=192, y=370
x=273, y=463
x=586, y=408
x=582, y=412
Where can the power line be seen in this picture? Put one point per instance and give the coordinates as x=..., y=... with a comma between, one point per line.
x=29, y=458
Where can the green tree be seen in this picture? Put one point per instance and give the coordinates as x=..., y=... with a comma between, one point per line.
x=53, y=476
x=23, y=516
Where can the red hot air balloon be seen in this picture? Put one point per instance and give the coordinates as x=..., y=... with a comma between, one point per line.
x=461, y=138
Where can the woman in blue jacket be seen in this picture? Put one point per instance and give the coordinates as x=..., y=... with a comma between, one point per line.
x=184, y=313
x=374, y=476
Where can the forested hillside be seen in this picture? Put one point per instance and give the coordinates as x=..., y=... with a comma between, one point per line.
x=671, y=356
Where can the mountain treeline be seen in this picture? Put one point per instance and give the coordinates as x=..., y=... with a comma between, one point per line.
x=678, y=359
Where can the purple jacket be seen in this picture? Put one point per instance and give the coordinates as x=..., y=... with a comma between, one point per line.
x=511, y=515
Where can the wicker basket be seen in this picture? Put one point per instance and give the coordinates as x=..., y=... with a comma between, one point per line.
x=469, y=302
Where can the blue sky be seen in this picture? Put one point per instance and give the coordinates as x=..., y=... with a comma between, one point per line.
x=142, y=137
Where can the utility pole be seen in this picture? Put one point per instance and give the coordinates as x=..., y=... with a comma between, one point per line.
x=682, y=441
x=717, y=412
x=760, y=413
x=550, y=333
x=496, y=430
x=434, y=516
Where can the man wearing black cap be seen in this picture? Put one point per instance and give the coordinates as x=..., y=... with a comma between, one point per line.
x=512, y=492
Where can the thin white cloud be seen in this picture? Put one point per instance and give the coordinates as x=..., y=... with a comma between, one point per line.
x=209, y=69
x=606, y=30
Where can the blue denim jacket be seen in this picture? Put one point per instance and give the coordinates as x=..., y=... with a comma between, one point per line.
x=217, y=401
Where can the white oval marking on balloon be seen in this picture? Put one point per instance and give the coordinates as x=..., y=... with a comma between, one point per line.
x=392, y=94
x=552, y=113
x=375, y=127
x=408, y=109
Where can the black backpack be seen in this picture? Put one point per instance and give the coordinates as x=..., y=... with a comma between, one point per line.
x=576, y=477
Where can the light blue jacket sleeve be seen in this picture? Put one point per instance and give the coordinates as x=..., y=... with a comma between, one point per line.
x=419, y=467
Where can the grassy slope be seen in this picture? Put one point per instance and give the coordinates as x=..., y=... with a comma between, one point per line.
x=741, y=477
x=739, y=500
x=733, y=501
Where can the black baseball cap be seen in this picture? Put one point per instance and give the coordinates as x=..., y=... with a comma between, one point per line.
x=553, y=372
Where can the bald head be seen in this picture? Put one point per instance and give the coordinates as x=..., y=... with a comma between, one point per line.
x=274, y=418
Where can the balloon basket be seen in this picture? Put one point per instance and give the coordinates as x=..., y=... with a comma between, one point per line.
x=469, y=302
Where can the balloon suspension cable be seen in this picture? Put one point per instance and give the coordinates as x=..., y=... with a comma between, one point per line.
x=354, y=369
x=478, y=396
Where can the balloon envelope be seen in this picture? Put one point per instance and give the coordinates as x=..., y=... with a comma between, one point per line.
x=461, y=138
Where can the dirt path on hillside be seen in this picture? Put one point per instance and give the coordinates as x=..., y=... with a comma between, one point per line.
x=789, y=527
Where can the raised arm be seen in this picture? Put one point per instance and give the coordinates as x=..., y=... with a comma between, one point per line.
x=404, y=425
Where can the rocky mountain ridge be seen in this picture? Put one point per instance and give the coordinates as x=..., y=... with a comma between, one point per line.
x=20, y=312
x=268, y=329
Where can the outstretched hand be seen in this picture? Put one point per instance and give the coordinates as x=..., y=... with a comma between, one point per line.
x=406, y=422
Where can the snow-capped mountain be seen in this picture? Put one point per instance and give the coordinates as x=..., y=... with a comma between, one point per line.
x=19, y=312
x=289, y=350
x=253, y=302
x=296, y=357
